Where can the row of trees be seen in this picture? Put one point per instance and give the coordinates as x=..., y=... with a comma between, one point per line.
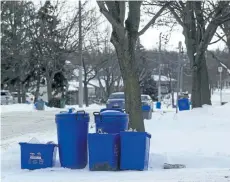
x=37, y=42
x=199, y=20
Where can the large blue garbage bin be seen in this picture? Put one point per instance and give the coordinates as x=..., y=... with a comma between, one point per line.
x=72, y=131
x=146, y=112
x=135, y=148
x=183, y=104
x=158, y=105
x=104, y=152
x=111, y=121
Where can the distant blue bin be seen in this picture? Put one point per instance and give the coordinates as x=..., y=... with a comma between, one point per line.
x=104, y=152
x=111, y=121
x=135, y=148
x=37, y=156
x=158, y=105
x=40, y=105
x=72, y=131
x=146, y=112
x=183, y=104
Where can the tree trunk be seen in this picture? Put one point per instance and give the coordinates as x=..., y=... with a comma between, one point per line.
x=205, y=89
x=126, y=58
x=196, y=87
x=86, y=98
x=23, y=94
x=19, y=93
x=37, y=88
x=49, y=89
x=133, y=102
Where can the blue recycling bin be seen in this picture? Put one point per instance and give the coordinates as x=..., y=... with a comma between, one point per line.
x=183, y=104
x=104, y=152
x=72, y=133
x=40, y=105
x=112, y=109
x=158, y=105
x=146, y=112
x=111, y=121
x=37, y=156
x=135, y=148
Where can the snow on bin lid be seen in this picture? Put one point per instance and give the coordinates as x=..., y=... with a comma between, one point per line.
x=70, y=112
x=113, y=113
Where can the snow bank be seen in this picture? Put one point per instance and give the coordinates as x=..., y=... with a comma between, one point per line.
x=30, y=107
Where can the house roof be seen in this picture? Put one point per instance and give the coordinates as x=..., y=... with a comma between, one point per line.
x=163, y=78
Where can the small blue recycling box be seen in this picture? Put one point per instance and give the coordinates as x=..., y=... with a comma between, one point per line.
x=111, y=121
x=183, y=104
x=72, y=133
x=135, y=148
x=104, y=151
x=158, y=105
x=37, y=156
x=146, y=112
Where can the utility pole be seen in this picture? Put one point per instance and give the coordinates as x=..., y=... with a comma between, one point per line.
x=181, y=70
x=220, y=69
x=178, y=75
x=159, y=80
x=80, y=90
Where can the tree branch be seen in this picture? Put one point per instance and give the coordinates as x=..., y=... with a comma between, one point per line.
x=219, y=38
x=153, y=20
x=106, y=13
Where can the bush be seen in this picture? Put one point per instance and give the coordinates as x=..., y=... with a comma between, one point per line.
x=56, y=102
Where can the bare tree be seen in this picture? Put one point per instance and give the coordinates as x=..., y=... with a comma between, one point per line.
x=16, y=44
x=124, y=36
x=199, y=26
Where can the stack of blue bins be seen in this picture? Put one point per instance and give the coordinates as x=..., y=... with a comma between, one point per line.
x=113, y=148
x=104, y=145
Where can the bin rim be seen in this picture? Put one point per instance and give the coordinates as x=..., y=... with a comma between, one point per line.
x=50, y=144
x=113, y=113
x=77, y=113
x=146, y=133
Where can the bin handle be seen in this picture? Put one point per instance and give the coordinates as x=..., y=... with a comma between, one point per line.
x=82, y=111
x=63, y=111
x=96, y=113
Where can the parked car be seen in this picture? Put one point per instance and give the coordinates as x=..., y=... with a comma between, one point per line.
x=147, y=100
x=6, y=97
x=117, y=100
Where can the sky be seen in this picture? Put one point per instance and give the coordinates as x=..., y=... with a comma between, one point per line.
x=150, y=39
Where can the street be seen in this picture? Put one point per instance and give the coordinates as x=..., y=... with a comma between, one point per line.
x=15, y=124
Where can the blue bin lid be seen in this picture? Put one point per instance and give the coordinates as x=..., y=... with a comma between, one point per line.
x=113, y=113
x=70, y=112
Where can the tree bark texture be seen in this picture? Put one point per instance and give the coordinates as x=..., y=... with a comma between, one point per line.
x=126, y=57
x=86, y=98
x=49, y=88
x=37, y=88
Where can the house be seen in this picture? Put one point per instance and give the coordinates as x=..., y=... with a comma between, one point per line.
x=165, y=83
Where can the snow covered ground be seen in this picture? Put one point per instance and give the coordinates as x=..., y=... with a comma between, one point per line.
x=197, y=138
